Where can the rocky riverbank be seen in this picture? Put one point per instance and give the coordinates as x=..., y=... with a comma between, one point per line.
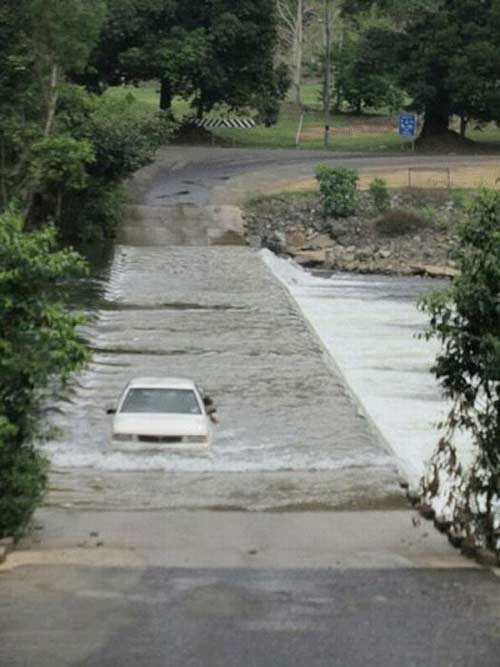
x=415, y=235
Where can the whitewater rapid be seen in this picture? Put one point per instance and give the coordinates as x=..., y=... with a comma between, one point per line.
x=370, y=325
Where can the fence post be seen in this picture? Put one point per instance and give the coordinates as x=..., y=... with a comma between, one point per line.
x=299, y=130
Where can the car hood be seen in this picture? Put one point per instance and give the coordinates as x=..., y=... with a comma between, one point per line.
x=140, y=424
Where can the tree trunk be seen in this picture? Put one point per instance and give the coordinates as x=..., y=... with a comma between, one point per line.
x=298, y=47
x=166, y=95
x=464, y=121
x=52, y=99
x=437, y=118
x=327, y=72
x=3, y=176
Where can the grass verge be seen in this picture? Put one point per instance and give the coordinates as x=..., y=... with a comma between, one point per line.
x=370, y=132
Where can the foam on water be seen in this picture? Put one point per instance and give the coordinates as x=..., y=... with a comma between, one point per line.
x=369, y=324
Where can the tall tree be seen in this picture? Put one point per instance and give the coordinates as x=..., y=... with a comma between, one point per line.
x=359, y=82
x=213, y=52
x=294, y=16
x=43, y=40
x=445, y=55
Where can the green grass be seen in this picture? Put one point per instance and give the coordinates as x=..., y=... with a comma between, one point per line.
x=283, y=134
x=147, y=98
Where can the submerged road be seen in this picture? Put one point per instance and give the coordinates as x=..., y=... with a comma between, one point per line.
x=97, y=584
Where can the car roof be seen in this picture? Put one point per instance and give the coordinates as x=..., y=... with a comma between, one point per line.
x=162, y=383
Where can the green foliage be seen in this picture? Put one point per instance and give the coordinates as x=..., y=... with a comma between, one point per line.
x=122, y=141
x=210, y=52
x=359, y=81
x=64, y=30
x=338, y=190
x=400, y=221
x=380, y=194
x=466, y=321
x=59, y=162
x=444, y=55
x=37, y=344
x=23, y=478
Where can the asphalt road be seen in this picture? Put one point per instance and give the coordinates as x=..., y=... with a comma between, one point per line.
x=250, y=589
x=251, y=618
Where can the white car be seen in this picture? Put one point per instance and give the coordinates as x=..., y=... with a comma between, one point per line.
x=166, y=413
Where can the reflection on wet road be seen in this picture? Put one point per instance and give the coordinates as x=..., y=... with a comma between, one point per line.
x=290, y=434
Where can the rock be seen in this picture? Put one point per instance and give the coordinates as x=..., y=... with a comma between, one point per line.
x=384, y=253
x=319, y=242
x=433, y=271
x=295, y=239
x=311, y=257
x=277, y=242
x=364, y=254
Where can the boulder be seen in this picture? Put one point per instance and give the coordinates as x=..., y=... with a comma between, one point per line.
x=434, y=271
x=277, y=242
x=319, y=242
x=295, y=239
x=311, y=257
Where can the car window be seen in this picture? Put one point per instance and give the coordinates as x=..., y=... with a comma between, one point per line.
x=161, y=401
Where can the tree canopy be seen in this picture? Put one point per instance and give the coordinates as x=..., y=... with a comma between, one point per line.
x=444, y=54
x=212, y=52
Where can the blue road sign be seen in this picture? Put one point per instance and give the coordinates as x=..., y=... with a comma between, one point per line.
x=407, y=125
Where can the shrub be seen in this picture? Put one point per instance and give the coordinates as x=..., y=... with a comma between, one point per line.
x=400, y=221
x=380, y=194
x=337, y=190
x=466, y=321
x=79, y=171
x=38, y=344
x=23, y=477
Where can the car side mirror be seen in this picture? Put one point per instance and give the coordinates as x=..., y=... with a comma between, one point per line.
x=209, y=405
x=111, y=411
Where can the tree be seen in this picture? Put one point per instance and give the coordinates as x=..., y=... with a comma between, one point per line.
x=466, y=321
x=44, y=39
x=38, y=343
x=358, y=80
x=294, y=15
x=214, y=53
x=444, y=55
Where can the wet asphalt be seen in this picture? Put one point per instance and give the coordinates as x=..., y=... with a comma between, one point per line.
x=266, y=618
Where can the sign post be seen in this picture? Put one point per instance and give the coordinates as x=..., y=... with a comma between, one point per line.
x=408, y=126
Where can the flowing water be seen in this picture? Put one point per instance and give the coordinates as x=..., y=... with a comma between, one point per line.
x=372, y=327
x=323, y=413
x=290, y=432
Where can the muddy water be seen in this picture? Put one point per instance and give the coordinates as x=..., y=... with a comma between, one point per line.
x=290, y=433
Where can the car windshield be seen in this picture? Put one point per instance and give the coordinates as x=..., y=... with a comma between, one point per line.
x=161, y=401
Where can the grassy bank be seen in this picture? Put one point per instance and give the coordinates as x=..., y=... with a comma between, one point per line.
x=370, y=132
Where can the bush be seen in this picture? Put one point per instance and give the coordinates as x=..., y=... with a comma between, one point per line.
x=337, y=190
x=79, y=170
x=23, y=478
x=466, y=321
x=400, y=221
x=38, y=344
x=380, y=194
